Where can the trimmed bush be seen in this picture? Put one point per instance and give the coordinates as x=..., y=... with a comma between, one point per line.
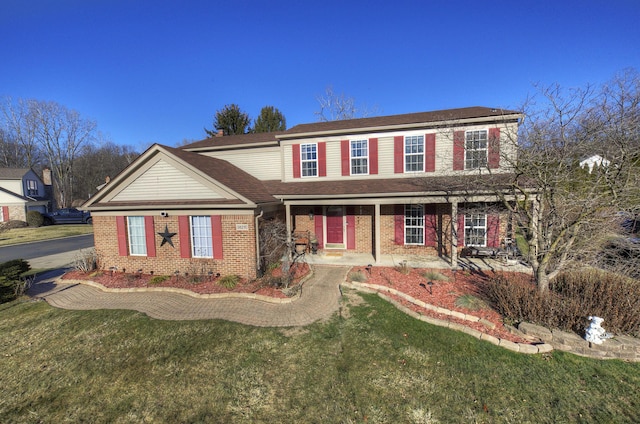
x=35, y=219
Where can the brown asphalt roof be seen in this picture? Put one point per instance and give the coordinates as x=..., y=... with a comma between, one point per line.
x=13, y=173
x=234, y=140
x=227, y=174
x=404, y=119
x=426, y=185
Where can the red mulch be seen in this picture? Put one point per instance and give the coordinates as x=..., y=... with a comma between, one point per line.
x=196, y=284
x=442, y=293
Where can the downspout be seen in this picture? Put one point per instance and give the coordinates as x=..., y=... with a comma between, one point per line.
x=258, y=241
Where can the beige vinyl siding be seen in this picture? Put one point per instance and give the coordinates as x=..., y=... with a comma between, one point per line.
x=164, y=182
x=385, y=157
x=263, y=163
x=14, y=186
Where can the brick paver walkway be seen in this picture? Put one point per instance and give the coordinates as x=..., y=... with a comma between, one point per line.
x=319, y=300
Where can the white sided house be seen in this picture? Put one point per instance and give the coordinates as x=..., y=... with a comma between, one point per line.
x=413, y=184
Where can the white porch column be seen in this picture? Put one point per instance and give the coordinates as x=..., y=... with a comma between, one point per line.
x=376, y=225
x=454, y=234
x=287, y=208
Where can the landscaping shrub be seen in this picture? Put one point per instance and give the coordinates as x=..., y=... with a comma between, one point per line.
x=434, y=276
x=357, y=276
x=12, y=284
x=14, y=223
x=471, y=302
x=229, y=281
x=34, y=219
x=159, y=279
x=571, y=298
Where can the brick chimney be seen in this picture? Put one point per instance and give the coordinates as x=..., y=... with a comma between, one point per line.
x=220, y=133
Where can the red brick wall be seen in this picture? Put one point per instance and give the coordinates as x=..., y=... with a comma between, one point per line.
x=239, y=248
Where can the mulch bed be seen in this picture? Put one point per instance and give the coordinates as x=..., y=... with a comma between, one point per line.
x=442, y=293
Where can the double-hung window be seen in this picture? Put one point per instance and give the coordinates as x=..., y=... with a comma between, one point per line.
x=309, y=160
x=32, y=188
x=414, y=224
x=475, y=229
x=201, y=240
x=359, y=157
x=475, y=149
x=137, y=236
x=414, y=153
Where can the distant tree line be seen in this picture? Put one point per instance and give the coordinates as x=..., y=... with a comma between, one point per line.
x=44, y=134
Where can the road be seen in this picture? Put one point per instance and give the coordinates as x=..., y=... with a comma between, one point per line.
x=39, y=249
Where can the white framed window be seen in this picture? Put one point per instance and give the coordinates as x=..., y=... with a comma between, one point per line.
x=137, y=236
x=475, y=229
x=309, y=160
x=414, y=153
x=32, y=188
x=1, y=214
x=475, y=149
x=201, y=239
x=414, y=224
x=359, y=157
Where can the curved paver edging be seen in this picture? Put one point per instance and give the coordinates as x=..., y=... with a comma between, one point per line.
x=515, y=347
x=186, y=292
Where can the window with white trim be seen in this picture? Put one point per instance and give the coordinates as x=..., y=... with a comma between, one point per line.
x=475, y=149
x=32, y=188
x=359, y=157
x=137, y=236
x=414, y=153
x=309, y=160
x=201, y=239
x=475, y=229
x=414, y=224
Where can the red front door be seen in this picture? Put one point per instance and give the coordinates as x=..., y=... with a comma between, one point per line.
x=335, y=225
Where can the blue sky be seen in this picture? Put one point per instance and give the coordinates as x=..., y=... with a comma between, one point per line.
x=156, y=71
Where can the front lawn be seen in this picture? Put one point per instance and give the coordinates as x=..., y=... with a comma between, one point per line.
x=370, y=363
x=30, y=234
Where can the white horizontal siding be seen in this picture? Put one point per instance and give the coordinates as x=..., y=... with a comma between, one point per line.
x=164, y=182
x=263, y=163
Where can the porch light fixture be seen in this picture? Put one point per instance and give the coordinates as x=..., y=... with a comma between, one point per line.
x=430, y=284
x=311, y=214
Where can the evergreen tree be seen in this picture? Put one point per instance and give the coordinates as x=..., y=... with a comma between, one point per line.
x=270, y=120
x=231, y=120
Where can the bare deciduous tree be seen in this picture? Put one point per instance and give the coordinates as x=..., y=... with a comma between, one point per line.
x=338, y=107
x=19, y=145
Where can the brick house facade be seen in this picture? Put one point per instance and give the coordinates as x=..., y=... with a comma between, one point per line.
x=419, y=184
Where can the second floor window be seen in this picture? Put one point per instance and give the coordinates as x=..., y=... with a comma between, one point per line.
x=32, y=187
x=201, y=242
x=414, y=154
x=137, y=236
x=475, y=230
x=475, y=149
x=359, y=157
x=309, y=160
x=413, y=224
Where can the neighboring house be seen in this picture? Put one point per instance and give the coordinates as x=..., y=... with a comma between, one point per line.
x=22, y=190
x=385, y=185
x=595, y=160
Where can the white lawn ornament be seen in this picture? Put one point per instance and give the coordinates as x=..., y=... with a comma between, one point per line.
x=594, y=333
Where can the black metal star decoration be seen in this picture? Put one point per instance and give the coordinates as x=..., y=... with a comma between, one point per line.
x=166, y=237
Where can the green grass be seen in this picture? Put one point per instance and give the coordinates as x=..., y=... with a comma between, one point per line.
x=370, y=364
x=29, y=234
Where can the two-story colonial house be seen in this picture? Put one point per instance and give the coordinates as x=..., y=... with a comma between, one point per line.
x=404, y=184
x=22, y=190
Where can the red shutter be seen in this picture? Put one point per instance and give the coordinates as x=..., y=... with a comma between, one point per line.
x=344, y=155
x=351, y=228
x=398, y=221
x=216, y=236
x=430, y=153
x=322, y=159
x=430, y=226
x=185, y=236
x=493, y=230
x=373, y=156
x=296, y=160
x=5, y=213
x=121, y=231
x=461, y=230
x=318, y=226
x=494, y=148
x=458, y=150
x=398, y=154
x=150, y=236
